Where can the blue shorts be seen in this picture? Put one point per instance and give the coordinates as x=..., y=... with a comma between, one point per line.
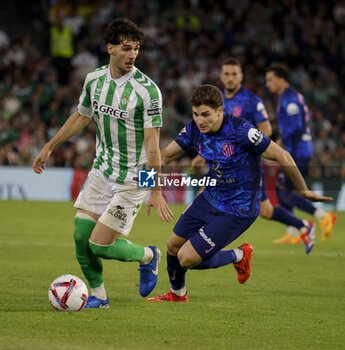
x=208, y=229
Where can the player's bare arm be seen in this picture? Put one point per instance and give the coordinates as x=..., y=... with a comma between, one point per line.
x=198, y=161
x=275, y=152
x=156, y=199
x=74, y=124
x=170, y=152
x=265, y=128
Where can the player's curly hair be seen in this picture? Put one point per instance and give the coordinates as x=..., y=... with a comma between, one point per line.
x=123, y=29
x=208, y=95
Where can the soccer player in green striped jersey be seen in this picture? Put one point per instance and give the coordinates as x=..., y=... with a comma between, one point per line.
x=126, y=106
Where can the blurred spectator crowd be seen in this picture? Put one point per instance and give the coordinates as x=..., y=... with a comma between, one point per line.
x=186, y=42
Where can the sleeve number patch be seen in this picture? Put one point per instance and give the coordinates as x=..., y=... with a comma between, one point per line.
x=255, y=136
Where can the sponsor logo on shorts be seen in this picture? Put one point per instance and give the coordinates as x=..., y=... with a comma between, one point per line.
x=207, y=239
x=118, y=213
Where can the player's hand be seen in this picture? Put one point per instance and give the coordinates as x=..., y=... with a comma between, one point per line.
x=198, y=161
x=314, y=197
x=39, y=163
x=157, y=201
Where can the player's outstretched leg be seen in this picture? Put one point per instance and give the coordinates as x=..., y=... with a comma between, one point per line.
x=243, y=267
x=125, y=250
x=149, y=273
x=280, y=214
x=285, y=217
x=240, y=257
x=326, y=219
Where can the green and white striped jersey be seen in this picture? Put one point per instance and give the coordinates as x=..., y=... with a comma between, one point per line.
x=121, y=108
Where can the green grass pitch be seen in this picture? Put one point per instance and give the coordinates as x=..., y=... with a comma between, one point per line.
x=292, y=301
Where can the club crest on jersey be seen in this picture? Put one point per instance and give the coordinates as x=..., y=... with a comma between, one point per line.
x=237, y=111
x=109, y=110
x=228, y=149
x=124, y=100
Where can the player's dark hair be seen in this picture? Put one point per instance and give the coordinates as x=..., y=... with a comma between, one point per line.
x=232, y=61
x=123, y=29
x=280, y=70
x=208, y=95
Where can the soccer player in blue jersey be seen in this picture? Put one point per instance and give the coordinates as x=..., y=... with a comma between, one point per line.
x=293, y=122
x=240, y=102
x=232, y=148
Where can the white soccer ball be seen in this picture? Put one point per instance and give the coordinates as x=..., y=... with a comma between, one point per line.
x=68, y=293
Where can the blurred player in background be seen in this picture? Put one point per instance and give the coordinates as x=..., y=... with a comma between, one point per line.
x=221, y=213
x=293, y=122
x=126, y=106
x=240, y=102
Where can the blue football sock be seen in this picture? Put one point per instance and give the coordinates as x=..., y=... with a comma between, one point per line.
x=221, y=258
x=303, y=204
x=285, y=217
x=176, y=272
x=285, y=199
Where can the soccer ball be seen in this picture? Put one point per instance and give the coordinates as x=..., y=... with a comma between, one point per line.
x=68, y=293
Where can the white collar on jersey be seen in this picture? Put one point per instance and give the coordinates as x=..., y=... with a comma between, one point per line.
x=121, y=80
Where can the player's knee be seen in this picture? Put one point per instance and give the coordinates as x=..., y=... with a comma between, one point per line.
x=186, y=261
x=266, y=209
x=99, y=250
x=172, y=247
x=94, y=248
x=83, y=227
x=266, y=213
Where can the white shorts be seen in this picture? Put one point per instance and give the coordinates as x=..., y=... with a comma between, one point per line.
x=117, y=204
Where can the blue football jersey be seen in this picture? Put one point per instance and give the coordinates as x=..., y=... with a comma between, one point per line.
x=233, y=157
x=246, y=105
x=293, y=122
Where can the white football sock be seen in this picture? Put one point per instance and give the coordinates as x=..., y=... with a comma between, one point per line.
x=180, y=292
x=99, y=292
x=239, y=254
x=293, y=231
x=148, y=256
x=319, y=214
x=302, y=229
